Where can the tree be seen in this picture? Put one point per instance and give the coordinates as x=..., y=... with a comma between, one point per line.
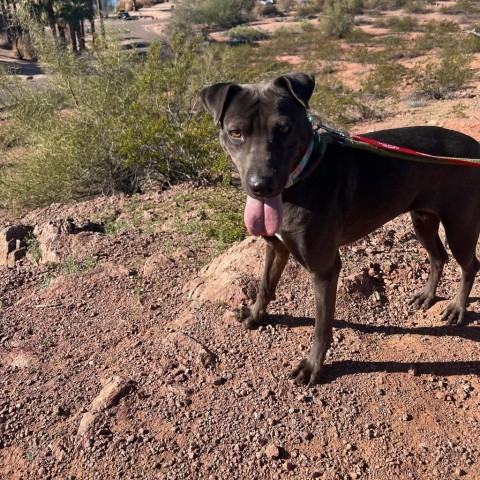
x=73, y=13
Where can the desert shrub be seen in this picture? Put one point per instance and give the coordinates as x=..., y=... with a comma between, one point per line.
x=306, y=11
x=66, y=127
x=247, y=34
x=306, y=26
x=337, y=105
x=384, y=5
x=327, y=50
x=356, y=6
x=164, y=136
x=438, y=80
x=245, y=63
x=269, y=11
x=418, y=6
x=437, y=35
x=461, y=6
x=384, y=79
x=357, y=35
x=398, y=24
x=219, y=13
x=106, y=122
x=472, y=43
x=336, y=20
x=286, y=5
x=440, y=28
x=365, y=55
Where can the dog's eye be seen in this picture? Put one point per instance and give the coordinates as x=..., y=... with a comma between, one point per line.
x=283, y=128
x=235, y=134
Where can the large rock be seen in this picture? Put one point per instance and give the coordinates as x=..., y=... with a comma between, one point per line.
x=59, y=239
x=233, y=277
x=155, y=264
x=112, y=392
x=13, y=243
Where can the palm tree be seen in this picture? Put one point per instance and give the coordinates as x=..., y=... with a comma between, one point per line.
x=73, y=13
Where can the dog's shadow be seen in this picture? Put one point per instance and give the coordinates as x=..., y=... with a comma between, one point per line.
x=335, y=370
x=338, y=369
x=441, y=330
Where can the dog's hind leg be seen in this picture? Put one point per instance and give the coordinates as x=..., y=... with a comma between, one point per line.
x=462, y=242
x=276, y=256
x=426, y=226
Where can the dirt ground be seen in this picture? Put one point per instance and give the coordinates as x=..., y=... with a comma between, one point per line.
x=120, y=358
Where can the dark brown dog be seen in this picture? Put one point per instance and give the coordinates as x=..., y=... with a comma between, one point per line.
x=266, y=132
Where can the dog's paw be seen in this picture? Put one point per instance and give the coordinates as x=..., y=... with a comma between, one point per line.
x=422, y=300
x=244, y=316
x=306, y=372
x=454, y=314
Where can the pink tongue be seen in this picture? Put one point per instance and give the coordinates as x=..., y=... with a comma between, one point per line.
x=263, y=217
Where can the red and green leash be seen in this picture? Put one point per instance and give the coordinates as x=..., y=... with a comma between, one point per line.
x=331, y=135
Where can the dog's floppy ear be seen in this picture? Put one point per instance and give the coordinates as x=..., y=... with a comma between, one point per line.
x=300, y=85
x=215, y=98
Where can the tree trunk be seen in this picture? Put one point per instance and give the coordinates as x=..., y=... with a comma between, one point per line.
x=73, y=37
x=51, y=18
x=5, y=10
x=61, y=34
x=80, y=31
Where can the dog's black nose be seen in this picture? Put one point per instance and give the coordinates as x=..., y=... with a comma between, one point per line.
x=261, y=186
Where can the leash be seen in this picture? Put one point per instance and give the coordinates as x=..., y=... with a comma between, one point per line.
x=385, y=149
x=328, y=135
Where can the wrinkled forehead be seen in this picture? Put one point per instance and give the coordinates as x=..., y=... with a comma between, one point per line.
x=261, y=100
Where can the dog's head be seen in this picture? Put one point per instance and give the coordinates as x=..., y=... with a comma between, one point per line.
x=264, y=129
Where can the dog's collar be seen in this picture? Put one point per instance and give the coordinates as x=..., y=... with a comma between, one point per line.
x=300, y=172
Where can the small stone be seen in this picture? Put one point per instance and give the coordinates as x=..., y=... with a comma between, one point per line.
x=219, y=381
x=406, y=417
x=272, y=451
x=308, y=436
x=460, y=472
x=289, y=466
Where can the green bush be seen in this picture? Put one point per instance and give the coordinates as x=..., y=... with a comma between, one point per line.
x=247, y=34
x=398, y=24
x=418, y=6
x=164, y=136
x=462, y=7
x=438, y=80
x=269, y=11
x=108, y=121
x=383, y=5
x=218, y=13
x=384, y=80
x=337, y=105
x=306, y=11
x=336, y=20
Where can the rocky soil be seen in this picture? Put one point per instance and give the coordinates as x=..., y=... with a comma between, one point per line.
x=119, y=358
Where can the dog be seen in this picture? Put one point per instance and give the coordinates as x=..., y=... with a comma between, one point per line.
x=342, y=195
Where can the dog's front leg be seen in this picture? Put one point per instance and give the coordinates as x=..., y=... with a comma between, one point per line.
x=276, y=256
x=325, y=283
